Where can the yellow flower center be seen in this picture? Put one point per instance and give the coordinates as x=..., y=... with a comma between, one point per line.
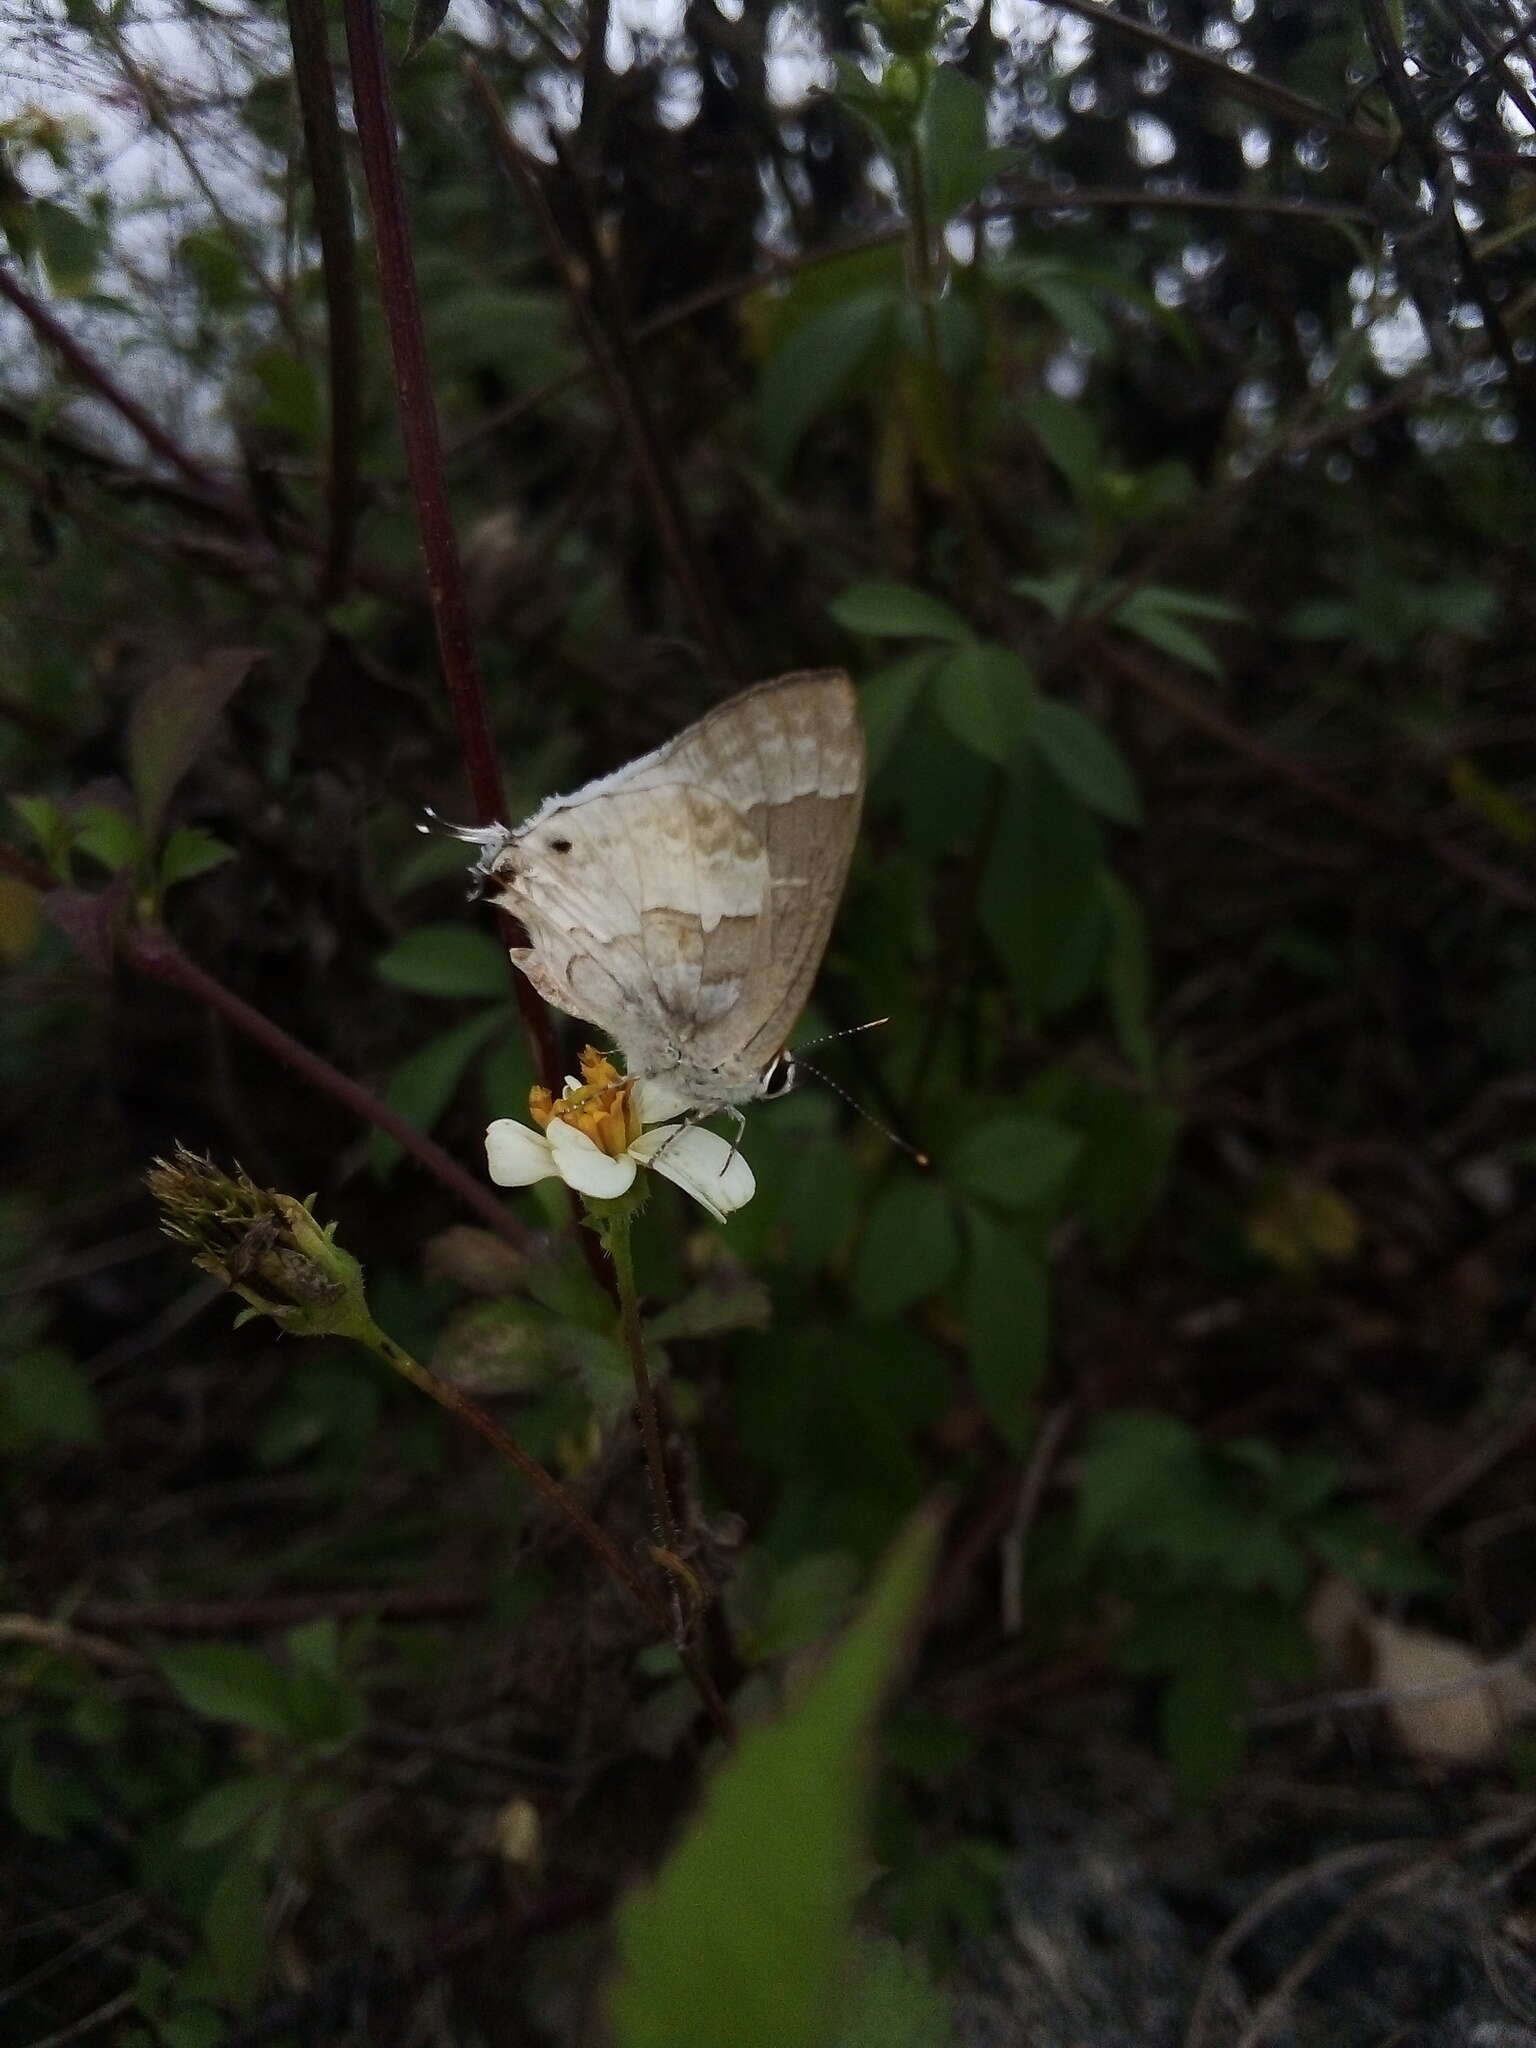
x=603, y=1107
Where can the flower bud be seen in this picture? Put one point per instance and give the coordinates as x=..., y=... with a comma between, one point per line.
x=265, y=1246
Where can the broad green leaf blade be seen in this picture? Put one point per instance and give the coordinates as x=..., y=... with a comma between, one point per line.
x=1040, y=901
x=230, y=1807
x=814, y=365
x=1016, y=1161
x=1087, y=761
x=744, y=1937
x=1007, y=1309
x=230, y=1682
x=986, y=696
x=189, y=852
x=909, y=1248
x=424, y=1085
x=1069, y=437
x=446, y=960
x=234, y=1927
x=1167, y=634
x=895, y=611
x=173, y=721
x=887, y=700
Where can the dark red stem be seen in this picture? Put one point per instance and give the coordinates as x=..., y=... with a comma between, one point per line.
x=153, y=951
x=374, y=113
x=87, y=371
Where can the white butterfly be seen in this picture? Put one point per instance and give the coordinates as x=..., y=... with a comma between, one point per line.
x=683, y=903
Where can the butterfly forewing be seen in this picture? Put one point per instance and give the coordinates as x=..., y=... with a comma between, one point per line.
x=683, y=903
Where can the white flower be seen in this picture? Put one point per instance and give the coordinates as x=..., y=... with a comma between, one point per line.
x=594, y=1139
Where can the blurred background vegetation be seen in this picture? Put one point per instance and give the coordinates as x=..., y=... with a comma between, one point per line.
x=1141, y=404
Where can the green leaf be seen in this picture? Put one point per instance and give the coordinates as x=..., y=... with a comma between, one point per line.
x=228, y=1808
x=1040, y=901
x=49, y=826
x=1129, y=1147
x=235, y=1929
x=986, y=696
x=909, y=1248
x=190, y=851
x=892, y=2002
x=69, y=246
x=215, y=264
x=288, y=398
x=1194, y=604
x=108, y=835
x=887, y=700
x=1087, y=761
x=44, y=1394
x=230, y=1682
x=446, y=960
x=956, y=157
x=1135, y=1470
x=814, y=365
x=1128, y=975
x=1007, y=1311
x=174, y=719
x=1201, y=1717
x=422, y=1087
x=34, y=1793
x=1150, y=622
x=1371, y=1554
x=744, y=1936
x=1069, y=437
x=805, y=1602
x=427, y=17
x=895, y=611
x=1017, y=1161
x=1056, y=594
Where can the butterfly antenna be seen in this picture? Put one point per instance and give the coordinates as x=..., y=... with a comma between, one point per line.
x=901, y=1144
x=852, y=1032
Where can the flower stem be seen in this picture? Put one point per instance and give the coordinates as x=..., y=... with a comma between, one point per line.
x=559, y=1496
x=616, y=1237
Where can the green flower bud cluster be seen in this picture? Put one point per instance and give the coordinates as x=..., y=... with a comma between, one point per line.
x=265, y=1246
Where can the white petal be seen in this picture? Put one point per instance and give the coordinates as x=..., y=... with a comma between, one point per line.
x=657, y=1098
x=515, y=1155
x=585, y=1166
x=701, y=1163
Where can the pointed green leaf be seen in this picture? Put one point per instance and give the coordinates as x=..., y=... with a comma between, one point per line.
x=895, y=611
x=814, y=365
x=744, y=1937
x=424, y=1085
x=909, y=1248
x=986, y=696
x=446, y=960
x=1087, y=761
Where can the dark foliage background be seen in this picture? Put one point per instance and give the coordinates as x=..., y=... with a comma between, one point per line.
x=1141, y=405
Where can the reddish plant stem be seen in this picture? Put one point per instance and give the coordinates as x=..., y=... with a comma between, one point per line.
x=338, y=258
x=374, y=112
x=32, y=872
x=154, y=952
x=87, y=371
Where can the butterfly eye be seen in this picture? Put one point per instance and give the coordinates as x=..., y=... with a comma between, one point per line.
x=778, y=1077
x=559, y=846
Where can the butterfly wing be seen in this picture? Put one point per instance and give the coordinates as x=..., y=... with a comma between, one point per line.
x=683, y=903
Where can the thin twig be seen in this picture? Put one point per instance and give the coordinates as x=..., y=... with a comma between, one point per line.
x=373, y=108
x=561, y=1498
x=338, y=259
x=1300, y=774
x=1032, y=1483
x=84, y=368
x=1219, y=76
